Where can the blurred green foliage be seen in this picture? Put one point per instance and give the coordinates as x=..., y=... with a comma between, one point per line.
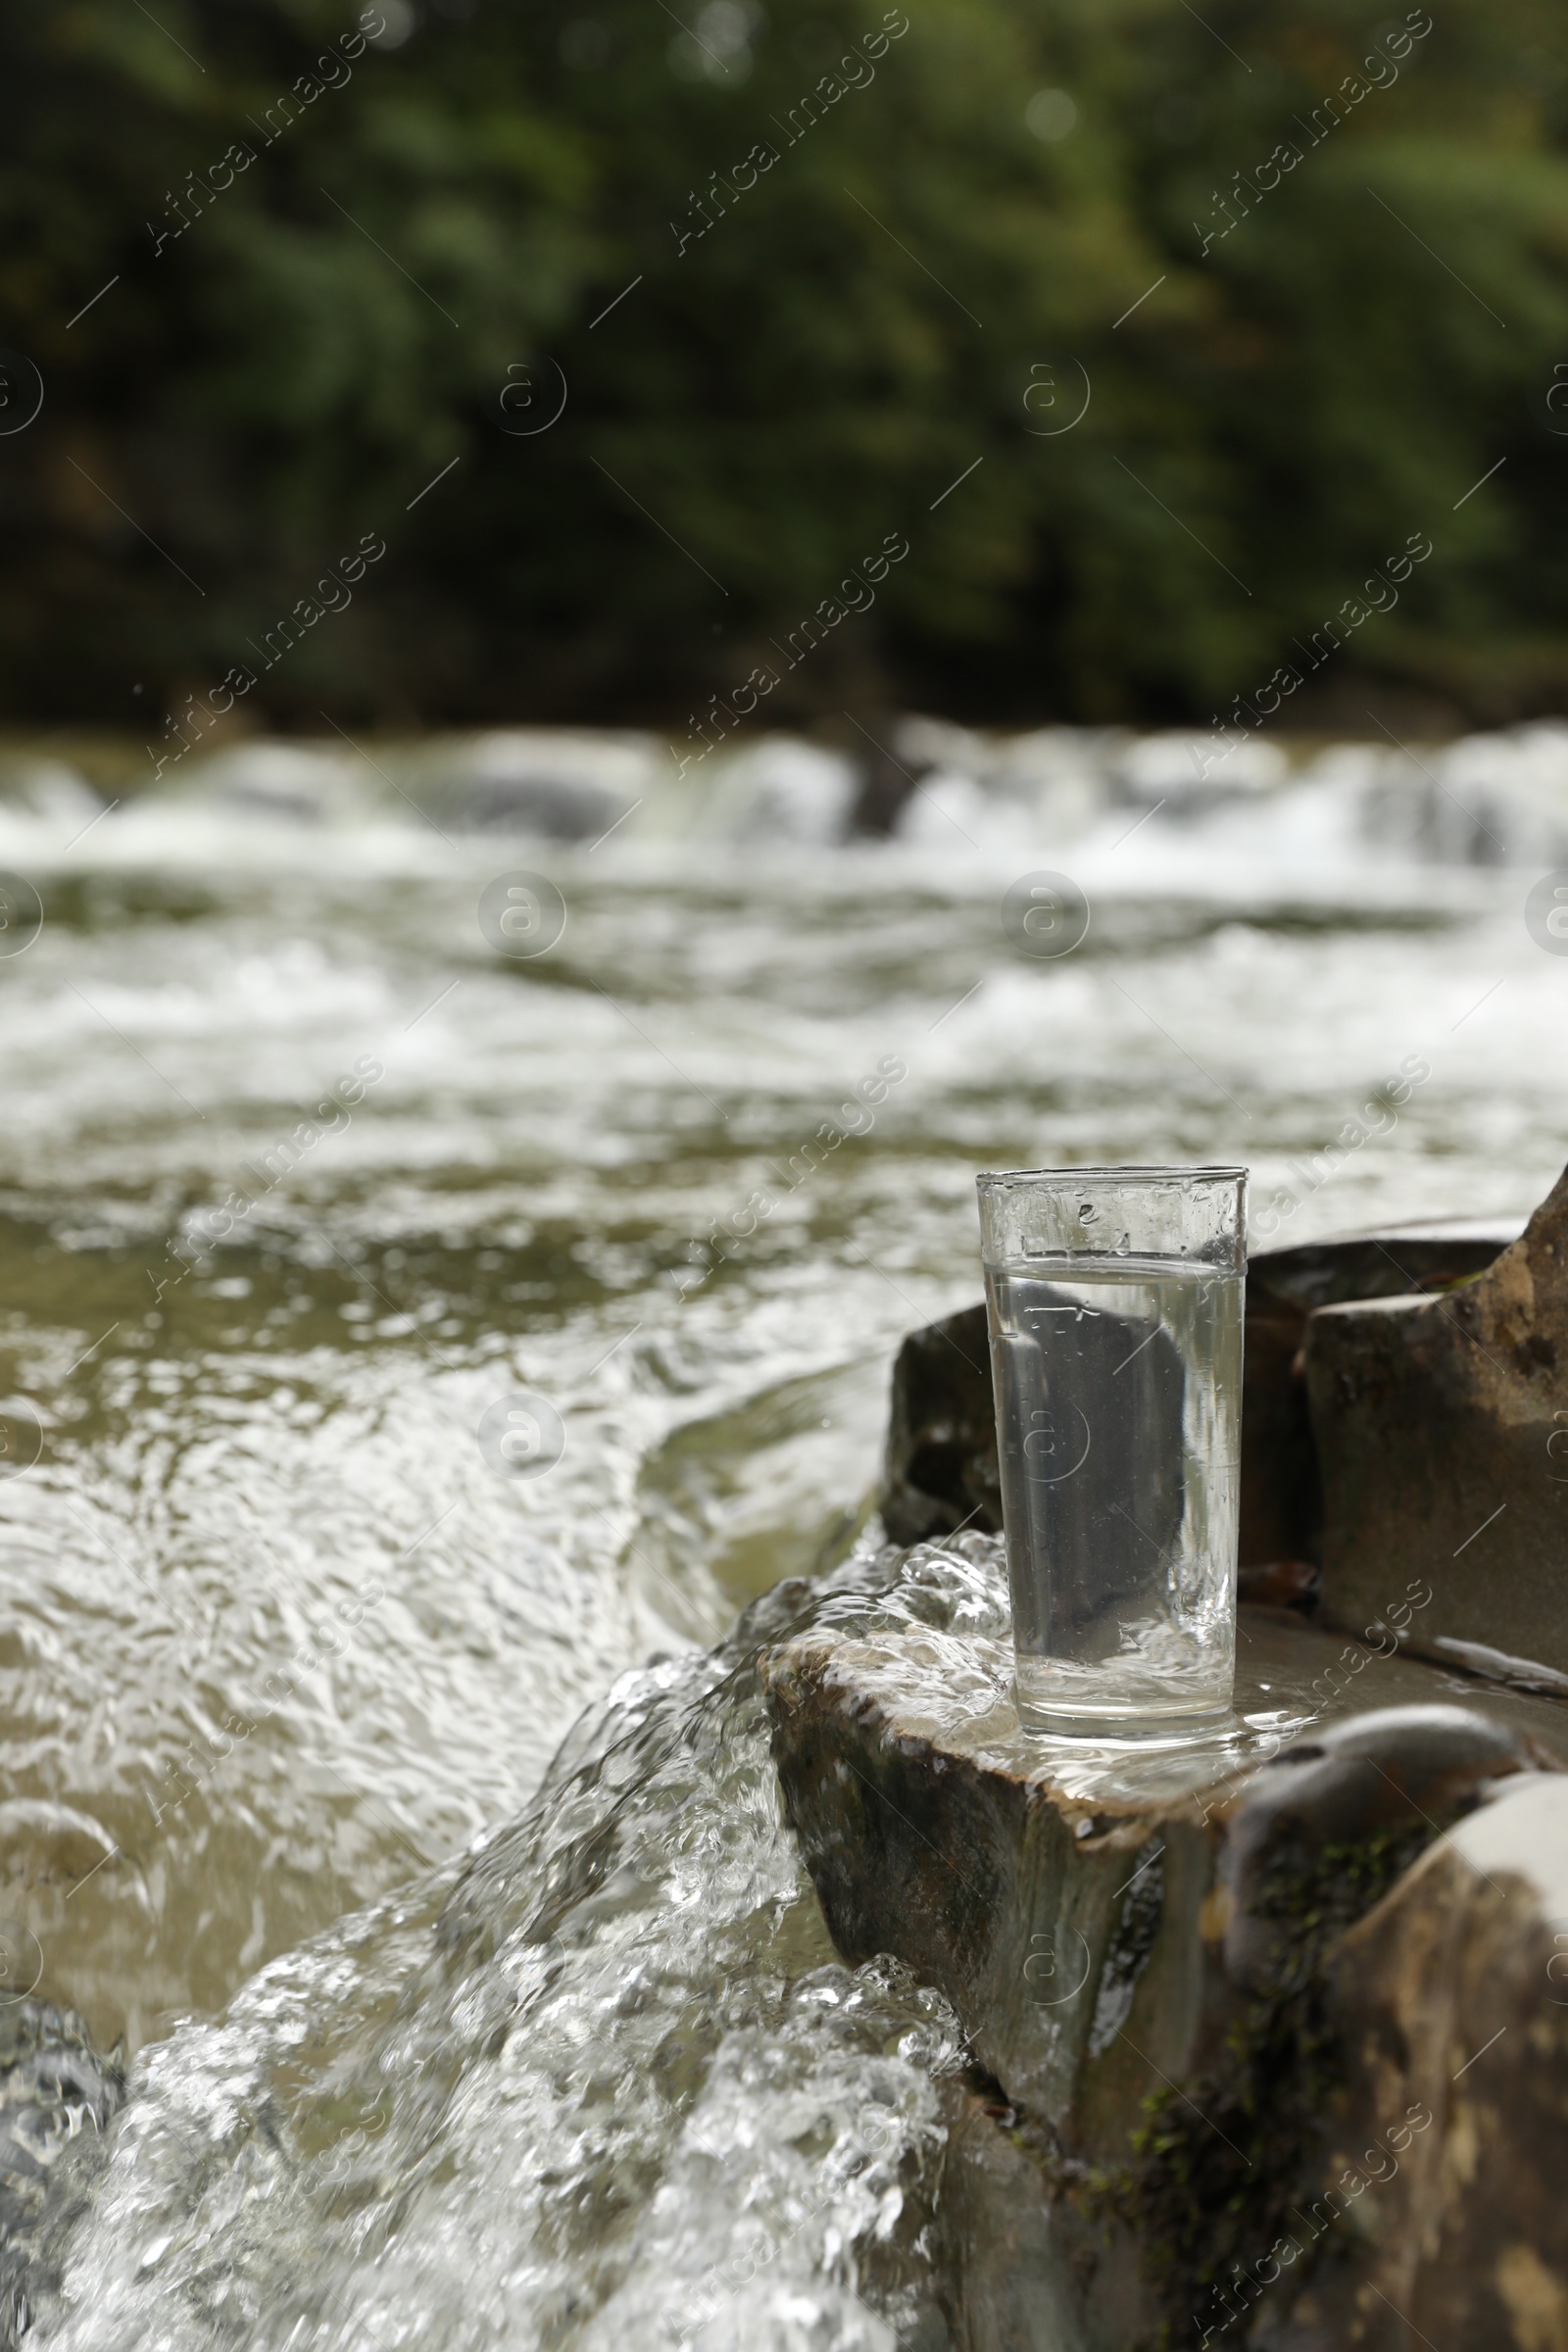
x=773, y=397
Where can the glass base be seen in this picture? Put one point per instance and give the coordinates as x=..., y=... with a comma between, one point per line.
x=1129, y=1721
x=1131, y=1732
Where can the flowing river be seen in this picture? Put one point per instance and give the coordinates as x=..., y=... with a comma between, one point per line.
x=420, y=1337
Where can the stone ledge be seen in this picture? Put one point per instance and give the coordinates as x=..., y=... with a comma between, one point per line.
x=1439, y=1424
x=1156, y=1956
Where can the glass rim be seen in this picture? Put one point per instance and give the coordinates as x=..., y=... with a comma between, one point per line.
x=1204, y=1172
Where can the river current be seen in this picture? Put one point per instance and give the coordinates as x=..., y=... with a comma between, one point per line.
x=411, y=1347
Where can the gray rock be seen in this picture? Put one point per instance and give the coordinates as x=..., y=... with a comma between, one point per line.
x=549, y=783
x=1441, y=1432
x=1389, y=1774
x=555, y=808
x=1281, y=1502
x=290, y=783
x=1021, y=2266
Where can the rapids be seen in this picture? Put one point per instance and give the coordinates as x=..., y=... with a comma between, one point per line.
x=432, y=2039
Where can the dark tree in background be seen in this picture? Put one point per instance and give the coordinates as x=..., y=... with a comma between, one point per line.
x=417, y=256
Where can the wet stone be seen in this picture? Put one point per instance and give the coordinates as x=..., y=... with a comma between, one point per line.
x=1281, y=1502
x=1154, y=1955
x=1442, y=1431
x=1434, y=2208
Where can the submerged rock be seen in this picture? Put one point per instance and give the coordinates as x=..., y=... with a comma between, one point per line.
x=1442, y=1431
x=1153, y=1953
x=550, y=783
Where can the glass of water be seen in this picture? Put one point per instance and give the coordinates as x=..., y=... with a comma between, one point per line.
x=1114, y=1300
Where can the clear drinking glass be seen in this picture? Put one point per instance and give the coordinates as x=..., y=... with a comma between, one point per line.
x=1114, y=1300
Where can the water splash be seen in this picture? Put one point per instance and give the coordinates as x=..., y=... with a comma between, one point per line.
x=599, y=2082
